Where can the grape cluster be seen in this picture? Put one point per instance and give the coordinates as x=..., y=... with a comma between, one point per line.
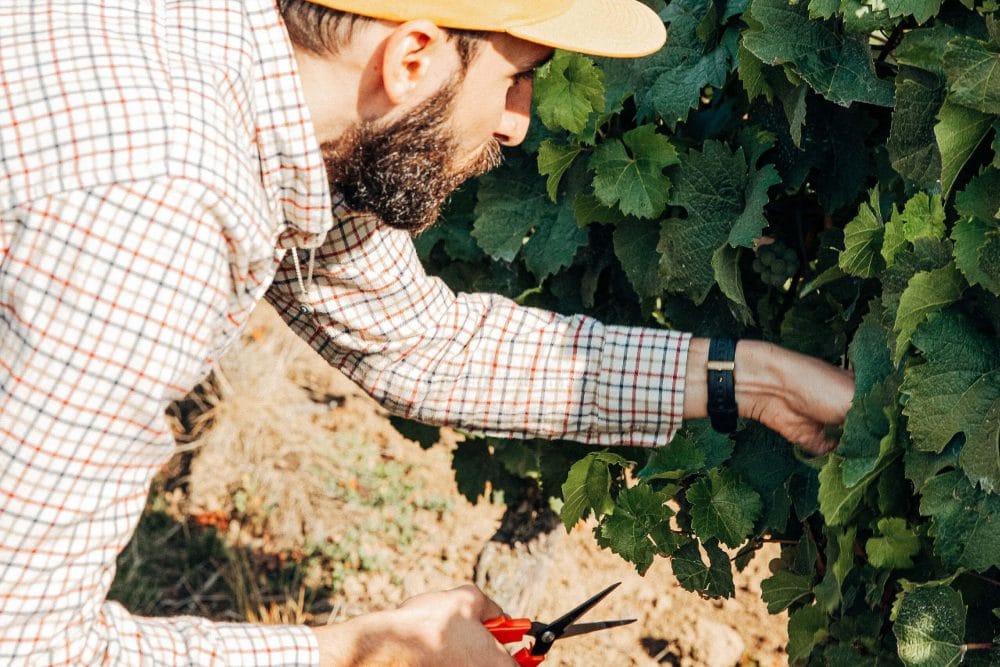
x=776, y=263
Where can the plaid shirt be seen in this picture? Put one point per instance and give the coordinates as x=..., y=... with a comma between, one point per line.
x=157, y=164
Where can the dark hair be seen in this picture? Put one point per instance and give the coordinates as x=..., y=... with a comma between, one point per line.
x=325, y=31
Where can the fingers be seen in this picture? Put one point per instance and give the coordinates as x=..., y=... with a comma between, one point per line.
x=484, y=607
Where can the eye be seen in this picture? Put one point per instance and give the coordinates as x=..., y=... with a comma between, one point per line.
x=524, y=77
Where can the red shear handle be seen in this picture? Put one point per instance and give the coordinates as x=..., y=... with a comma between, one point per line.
x=508, y=630
x=525, y=659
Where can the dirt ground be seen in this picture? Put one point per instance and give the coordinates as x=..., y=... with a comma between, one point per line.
x=293, y=455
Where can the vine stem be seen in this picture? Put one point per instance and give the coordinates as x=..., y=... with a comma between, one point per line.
x=979, y=647
x=984, y=578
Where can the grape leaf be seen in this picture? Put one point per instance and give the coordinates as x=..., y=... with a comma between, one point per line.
x=837, y=66
x=766, y=462
x=712, y=580
x=711, y=186
x=895, y=546
x=672, y=79
x=837, y=502
x=807, y=627
x=869, y=432
x=726, y=268
x=637, y=512
x=959, y=132
x=863, y=241
x=957, y=384
x=981, y=197
x=840, y=559
x=553, y=161
x=921, y=466
x=972, y=237
x=929, y=624
x=928, y=292
x=912, y=146
x=588, y=487
x=629, y=172
x=925, y=47
x=635, y=246
x=510, y=203
x=554, y=244
x=923, y=217
x=568, y=89
x=869, y=355
x=723, y=507
x=965, y=522
x=980, y=457
x=921, y=10
x=973, y=70
x=695, y=448
x=783, y=589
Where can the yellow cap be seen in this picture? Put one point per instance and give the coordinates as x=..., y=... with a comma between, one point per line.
x=612, y=28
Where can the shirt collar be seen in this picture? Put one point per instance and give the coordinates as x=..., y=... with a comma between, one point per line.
x=292, y=168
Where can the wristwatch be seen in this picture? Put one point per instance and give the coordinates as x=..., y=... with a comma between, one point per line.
x=722, y=409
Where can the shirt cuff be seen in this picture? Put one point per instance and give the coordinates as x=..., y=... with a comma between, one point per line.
x=271, y=645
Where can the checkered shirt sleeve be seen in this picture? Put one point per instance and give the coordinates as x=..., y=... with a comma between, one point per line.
x=108, y=305
x=479, y=362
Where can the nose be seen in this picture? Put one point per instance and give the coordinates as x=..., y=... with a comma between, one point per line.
x=516, y=117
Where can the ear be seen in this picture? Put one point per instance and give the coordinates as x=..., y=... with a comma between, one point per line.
x=418, y=58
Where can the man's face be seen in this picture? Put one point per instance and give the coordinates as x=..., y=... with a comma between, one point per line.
x=403, y=168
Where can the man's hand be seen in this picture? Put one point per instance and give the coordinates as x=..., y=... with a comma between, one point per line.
x=796, y=395
x=429, y=630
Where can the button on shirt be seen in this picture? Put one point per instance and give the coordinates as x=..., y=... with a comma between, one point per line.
x=157, y=171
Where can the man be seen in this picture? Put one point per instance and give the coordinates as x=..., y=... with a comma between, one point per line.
x=163, y=166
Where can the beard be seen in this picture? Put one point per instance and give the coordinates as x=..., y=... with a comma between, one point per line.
x=403, y=170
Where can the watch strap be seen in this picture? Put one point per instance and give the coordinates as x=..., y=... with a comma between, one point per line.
x=722, y=410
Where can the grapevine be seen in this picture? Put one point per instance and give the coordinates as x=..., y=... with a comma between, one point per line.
x=647, y=203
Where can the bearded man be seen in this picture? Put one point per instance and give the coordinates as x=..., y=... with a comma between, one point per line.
x=165, y=165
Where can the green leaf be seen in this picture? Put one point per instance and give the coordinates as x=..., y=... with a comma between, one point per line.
x=980, y=457
x=588, y=209
x=930, y=626
x=749, y=225
x=863, y=241
x=568, y=89
x=588, y=487
x=965, y=522
x=673, y=79
x=712, y=186
x=973, y=70
x=553, y=161
x=981, y=197
x=726, y=268
x=840, y=563
x=920, y=466
x=869, y=432
x=921, y=10
x=912, y=146
x=928, y=292
x=712, y=580
x=784, y=589
x=869, y=355
x=838, y=502
x=923, y=217
x=629, y=173
x=925, y=47
x=635, y=246
x=959, y=132
x=510, y=203
x=975, y=243
x=766, y=462
x=807, y=627
x=837, y=66
x=723, y=507
x=695, y=448
x=895, y=546
x=554, y=244
x=955, y=388
x=637, y=513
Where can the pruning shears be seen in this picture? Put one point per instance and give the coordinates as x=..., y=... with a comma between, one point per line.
x=510, y=630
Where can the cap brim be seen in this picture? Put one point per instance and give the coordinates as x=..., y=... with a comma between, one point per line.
x=611, y=28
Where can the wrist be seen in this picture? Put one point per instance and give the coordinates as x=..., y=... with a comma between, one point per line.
x=758, y=375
